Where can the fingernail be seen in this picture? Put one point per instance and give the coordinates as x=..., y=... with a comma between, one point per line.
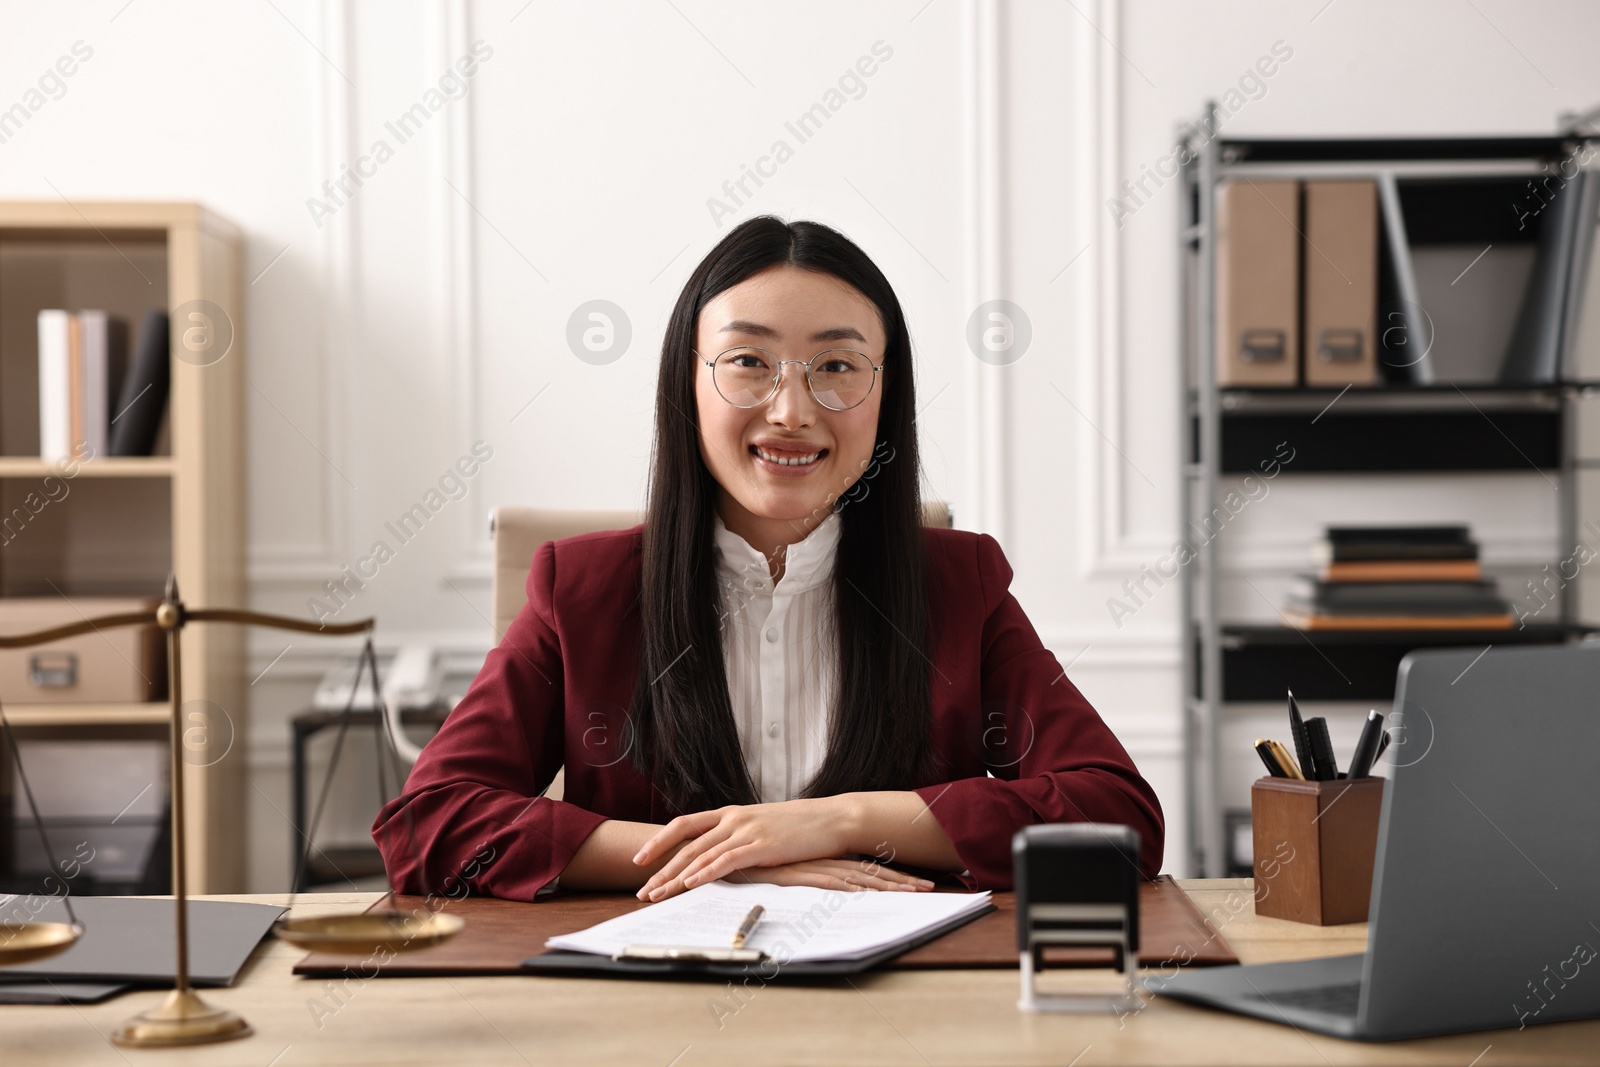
x=693, y=879
x=924, y=881
x=656, y=892
x=639, y=856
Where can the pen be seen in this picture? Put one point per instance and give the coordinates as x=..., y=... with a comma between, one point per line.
x=1382, y=744
x=1302, y=741
x=748, y=927
x=1274, y=768
x=1286, y=761
x=1367, y=746
x=1327, y=768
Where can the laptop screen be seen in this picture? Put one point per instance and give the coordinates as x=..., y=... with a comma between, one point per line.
x=1486, y=891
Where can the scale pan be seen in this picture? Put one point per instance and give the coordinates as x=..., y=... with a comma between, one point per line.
x=366, y=932
x=25, y=942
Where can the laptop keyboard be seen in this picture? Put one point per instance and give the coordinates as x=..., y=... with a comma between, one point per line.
x=1342, y=999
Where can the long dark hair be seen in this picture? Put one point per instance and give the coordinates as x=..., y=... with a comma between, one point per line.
x=686, y=741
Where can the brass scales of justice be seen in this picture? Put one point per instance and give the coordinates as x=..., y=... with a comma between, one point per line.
x=185, y=1018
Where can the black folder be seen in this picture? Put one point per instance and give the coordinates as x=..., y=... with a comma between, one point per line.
x=133, y=939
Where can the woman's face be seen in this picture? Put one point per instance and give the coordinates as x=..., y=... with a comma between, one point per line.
x=793, y=314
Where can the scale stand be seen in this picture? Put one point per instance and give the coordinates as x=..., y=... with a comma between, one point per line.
x=185, y=1018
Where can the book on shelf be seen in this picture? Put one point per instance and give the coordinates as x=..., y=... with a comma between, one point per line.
x=1349, y=544
x=1534, y=355
x=104, y=358
x=144, y=391
x=1406, y=337
x=55, y=384
x=1402, y=570
x=82, y=358
x=75, y=415
x=1448, y=533
x=1309, y=620
x=1409, y=598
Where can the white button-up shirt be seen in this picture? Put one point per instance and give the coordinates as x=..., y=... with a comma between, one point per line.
x=780, y=648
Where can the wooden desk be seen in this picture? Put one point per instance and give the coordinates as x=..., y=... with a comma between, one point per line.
x=905, y=1017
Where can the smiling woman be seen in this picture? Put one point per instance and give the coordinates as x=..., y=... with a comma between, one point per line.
x=804, y=671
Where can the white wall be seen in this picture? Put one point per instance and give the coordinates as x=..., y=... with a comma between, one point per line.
x=424, y=314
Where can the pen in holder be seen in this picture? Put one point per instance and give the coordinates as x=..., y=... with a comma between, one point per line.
x=1077, y=884
x=1314, y=845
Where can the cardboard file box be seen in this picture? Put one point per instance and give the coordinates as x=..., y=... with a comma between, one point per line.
x=124, y=665
x=1258, y=283
x=1314, y=844
x=1341, y=282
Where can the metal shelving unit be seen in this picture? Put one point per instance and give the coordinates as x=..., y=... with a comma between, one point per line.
x=1224, y=428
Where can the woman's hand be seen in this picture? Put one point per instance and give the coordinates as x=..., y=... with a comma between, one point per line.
x=737, y=837
x=848, y=875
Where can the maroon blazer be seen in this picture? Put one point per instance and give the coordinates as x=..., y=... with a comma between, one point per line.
x=556, y=691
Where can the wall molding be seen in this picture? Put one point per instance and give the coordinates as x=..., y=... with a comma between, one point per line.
x=988, y=477
x=341, y=250
x=310, y=658
x=332, y=125
x=1106, y=547
x=457, y=237
x=454, y=326
x=1098, y=650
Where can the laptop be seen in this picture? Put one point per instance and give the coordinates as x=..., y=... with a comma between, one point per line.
x=1485, y=907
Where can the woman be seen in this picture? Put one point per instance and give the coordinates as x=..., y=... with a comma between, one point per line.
x=781, y=664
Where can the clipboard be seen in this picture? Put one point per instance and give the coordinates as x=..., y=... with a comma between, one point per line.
x=766, y=969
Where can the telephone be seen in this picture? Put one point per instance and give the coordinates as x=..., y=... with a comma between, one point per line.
x=411, y=678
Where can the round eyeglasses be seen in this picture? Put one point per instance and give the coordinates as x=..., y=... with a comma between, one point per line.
x=839, y=378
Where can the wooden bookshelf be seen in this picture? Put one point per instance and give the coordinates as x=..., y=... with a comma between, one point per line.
x=129, y=520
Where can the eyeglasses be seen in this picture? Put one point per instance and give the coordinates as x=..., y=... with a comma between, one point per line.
x=839, y=379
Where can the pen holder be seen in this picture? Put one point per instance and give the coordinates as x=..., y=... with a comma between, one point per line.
x=1314, y=846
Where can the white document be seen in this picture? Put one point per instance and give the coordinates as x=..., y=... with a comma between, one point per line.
x=800, y=923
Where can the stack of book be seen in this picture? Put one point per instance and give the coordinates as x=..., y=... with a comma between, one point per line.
x=81, y=357
x=1396, y=578
x=91, y=401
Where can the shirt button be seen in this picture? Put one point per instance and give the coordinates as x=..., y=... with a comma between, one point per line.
x=772, y=635
x=772, y=729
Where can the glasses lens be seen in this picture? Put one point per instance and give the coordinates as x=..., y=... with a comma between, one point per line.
x=744, y=376
x=841, y=379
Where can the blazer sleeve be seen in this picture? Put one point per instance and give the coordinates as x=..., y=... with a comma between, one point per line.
x=1051, y=756
x=472, y=812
